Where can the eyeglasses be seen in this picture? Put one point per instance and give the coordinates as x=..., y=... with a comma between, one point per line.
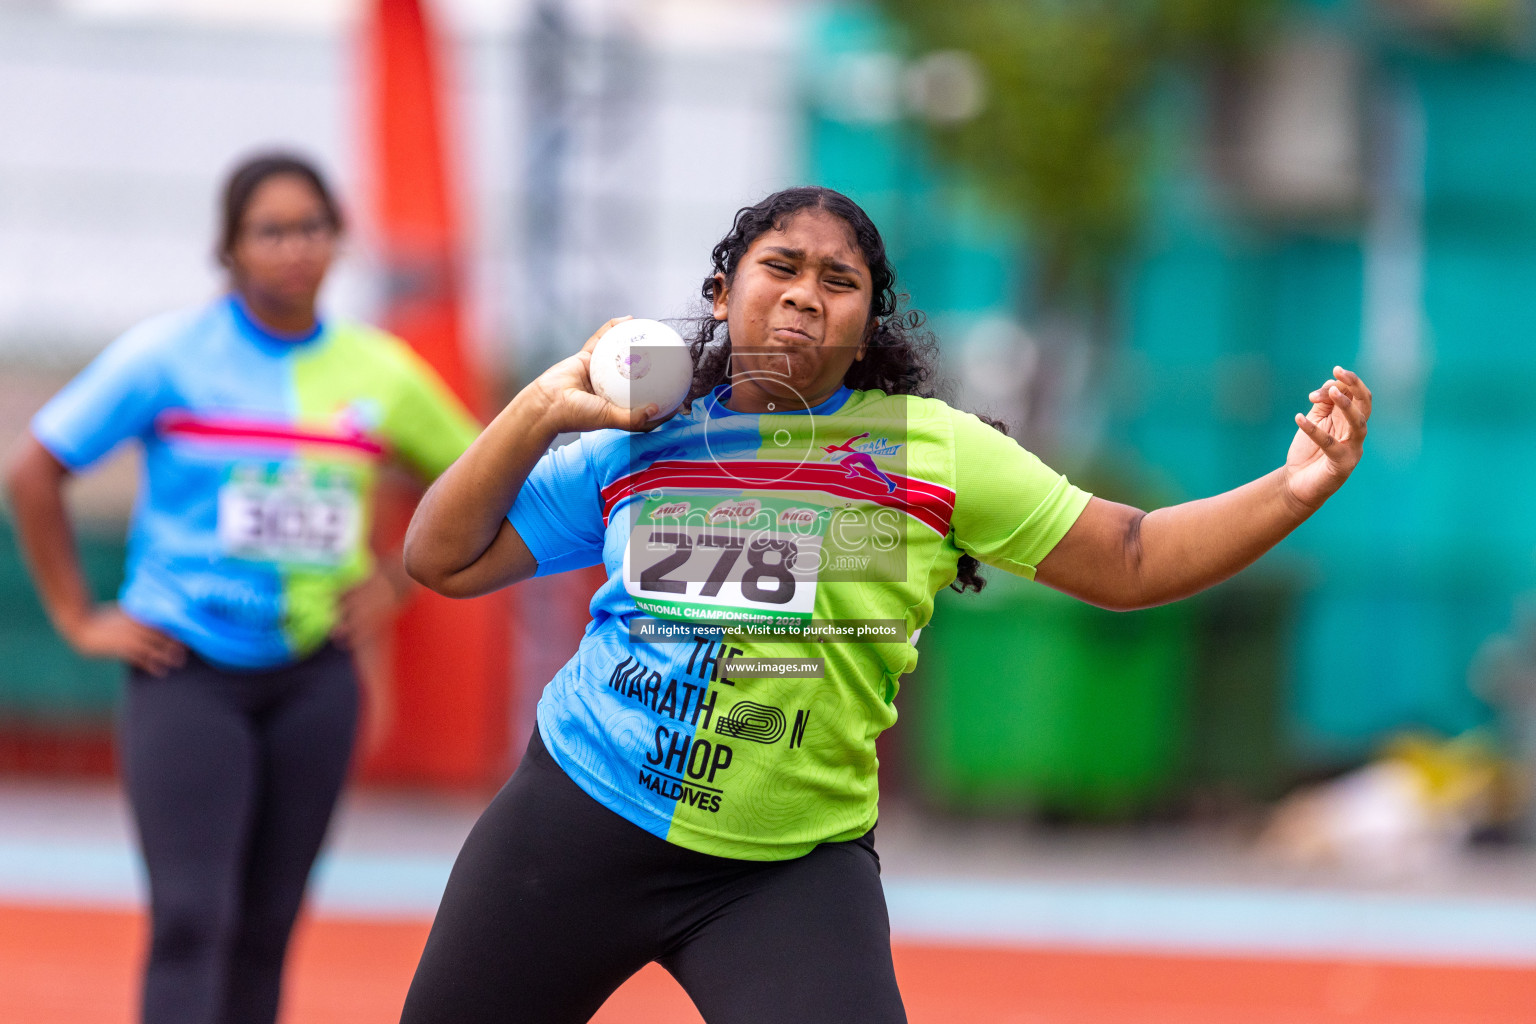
x=310, y=231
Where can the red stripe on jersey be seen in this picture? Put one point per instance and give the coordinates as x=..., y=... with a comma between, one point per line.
x=186, y=425
x=928, y=503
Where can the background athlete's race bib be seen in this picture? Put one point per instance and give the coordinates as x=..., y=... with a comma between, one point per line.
x=289, y=516
x=704, y=557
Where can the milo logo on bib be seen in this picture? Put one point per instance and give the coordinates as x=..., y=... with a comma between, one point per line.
x=799, y=515
x=731, y=560
x=737, y=512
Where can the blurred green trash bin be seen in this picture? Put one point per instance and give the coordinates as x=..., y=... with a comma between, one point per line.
x=43, y=683
x=1025, y=699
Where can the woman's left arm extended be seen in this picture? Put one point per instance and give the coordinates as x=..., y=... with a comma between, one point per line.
x=1122, y=558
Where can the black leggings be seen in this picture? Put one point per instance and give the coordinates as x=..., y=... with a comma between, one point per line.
x=232, y=777
x=555, y=900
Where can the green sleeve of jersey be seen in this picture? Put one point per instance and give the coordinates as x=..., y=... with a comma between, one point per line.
x=426, y=424
x=1011, y=509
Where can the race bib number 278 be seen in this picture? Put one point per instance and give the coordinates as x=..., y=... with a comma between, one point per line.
x=726, y=561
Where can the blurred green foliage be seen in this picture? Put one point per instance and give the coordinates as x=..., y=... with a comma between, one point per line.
x=1063, y=136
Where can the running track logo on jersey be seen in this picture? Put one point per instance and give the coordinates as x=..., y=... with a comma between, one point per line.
x=861, y=459
x=748, y=720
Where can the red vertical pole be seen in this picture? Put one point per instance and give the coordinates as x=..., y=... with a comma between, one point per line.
x=449, y=661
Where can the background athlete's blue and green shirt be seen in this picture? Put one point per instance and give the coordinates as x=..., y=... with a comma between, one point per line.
x=260, y=456
x=779, y=528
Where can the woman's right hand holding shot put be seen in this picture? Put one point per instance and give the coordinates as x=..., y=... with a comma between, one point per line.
x=459, y=542
x=572, y=404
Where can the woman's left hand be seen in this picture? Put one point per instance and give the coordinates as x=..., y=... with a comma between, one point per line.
x=367, y=608
x=1329, y=439
x=362, y=615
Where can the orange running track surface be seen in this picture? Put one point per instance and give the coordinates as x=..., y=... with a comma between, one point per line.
x=71, y=966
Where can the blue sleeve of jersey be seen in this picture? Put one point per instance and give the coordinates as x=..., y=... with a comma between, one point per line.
x=113, y=399
x=559, y=511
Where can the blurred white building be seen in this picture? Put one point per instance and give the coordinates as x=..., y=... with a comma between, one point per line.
x=603, y=145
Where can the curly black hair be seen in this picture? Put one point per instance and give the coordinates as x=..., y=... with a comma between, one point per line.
x=901, y=355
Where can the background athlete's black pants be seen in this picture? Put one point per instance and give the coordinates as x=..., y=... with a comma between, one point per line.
x=232, y=777
x=555, y=900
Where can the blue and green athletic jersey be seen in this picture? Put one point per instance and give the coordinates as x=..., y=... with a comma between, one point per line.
x=260, y=457
x=822, y=535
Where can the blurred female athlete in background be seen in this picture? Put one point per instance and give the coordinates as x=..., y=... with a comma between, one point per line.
x=263, y=428
x=721, y=822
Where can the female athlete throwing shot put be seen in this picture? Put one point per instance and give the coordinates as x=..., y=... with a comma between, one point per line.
x=721, y=822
